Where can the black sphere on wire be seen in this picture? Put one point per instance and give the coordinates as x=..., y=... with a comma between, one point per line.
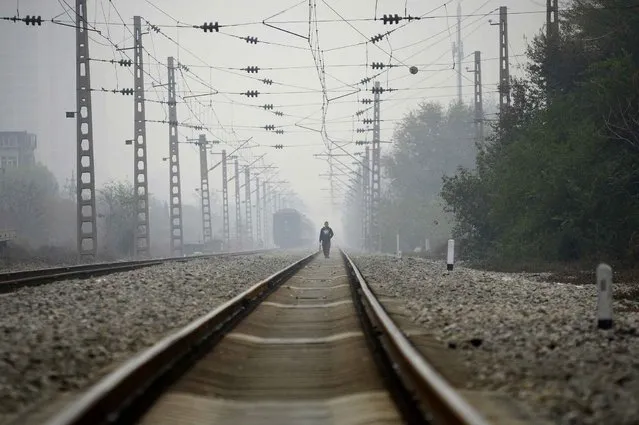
x=413, y=70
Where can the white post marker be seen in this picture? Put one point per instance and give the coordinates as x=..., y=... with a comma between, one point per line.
x=604, y=296
x=426, y=245
x=451, y=255
x=398, y=253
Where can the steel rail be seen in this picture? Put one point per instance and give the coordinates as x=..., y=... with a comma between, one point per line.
x=442, y=401
x=111, y=398
x=12, y=281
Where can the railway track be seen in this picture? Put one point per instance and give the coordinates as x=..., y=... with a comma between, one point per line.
x=309, y=345
x=13, y=281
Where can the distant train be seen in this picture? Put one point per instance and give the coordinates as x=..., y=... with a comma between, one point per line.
x=291, y=229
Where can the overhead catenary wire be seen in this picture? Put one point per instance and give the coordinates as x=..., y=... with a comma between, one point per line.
x=199, y=103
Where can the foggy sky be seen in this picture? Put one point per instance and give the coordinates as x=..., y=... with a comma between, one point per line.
x=37, y=80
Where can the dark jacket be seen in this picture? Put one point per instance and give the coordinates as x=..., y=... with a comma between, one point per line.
x=326, y=234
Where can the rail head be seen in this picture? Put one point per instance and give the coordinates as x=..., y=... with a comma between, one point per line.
x=104, y=400
x=443, y=401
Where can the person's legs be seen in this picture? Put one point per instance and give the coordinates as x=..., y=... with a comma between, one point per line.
x=327, y=248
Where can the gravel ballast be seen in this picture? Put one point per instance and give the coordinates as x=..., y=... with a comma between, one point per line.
x=57, y=337
x=536, y=341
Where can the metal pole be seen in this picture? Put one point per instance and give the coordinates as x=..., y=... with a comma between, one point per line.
x=266, y=216
x=258, y=217
x=479, y=104
x=238, y=213
x=460, y=54
x=504, y=69
x=248, y=207
x=207, y=235
x=142, y=243
x=366, y=212
x=376, y=237
x=225, y=203
x=87, y=233
x=174, y=167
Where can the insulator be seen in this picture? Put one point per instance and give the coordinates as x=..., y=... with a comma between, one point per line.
x=377, y=65
x=252, y=93
x=391, y=19
x=367, y=101
x=279, y=131
x=267, y=81
x=378, y=37
x=209, y=27
x=251, y=69
x=250, y=40
x=380, y=90
x=269, y=127
x=279, y=113
x=268, y=106
x=33, y=20
x=367, y=121
x=366, y=80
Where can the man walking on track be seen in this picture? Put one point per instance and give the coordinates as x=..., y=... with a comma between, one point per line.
x=325, y=239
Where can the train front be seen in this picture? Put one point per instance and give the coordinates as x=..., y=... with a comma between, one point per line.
x=286, y=228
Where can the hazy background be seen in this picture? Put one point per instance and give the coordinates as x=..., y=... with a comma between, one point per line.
x=37, y=80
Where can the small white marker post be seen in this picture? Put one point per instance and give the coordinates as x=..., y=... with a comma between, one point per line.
x=426, y=245
x=451, y=255
x=604, y=296
x=398, y=253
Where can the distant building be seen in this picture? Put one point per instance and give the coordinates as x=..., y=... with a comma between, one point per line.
x=17, y=149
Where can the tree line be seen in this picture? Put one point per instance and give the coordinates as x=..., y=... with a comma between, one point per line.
x=44, y=217
x=556, y=178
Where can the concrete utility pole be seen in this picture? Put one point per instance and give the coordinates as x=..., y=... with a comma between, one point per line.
x=207, y=233
x=479, y=104
x=174, y=167
x=366, y=198
x=87, y=233
x=238, y=212
x=376, y=236
x=552, y=21
x=504, y=67
x=248, y=208
x=225, y=203
x=258, y=219
x=142, y=242
x=458, y=49
x=552, y=33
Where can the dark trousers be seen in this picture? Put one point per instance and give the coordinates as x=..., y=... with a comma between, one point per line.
x=326, y=246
